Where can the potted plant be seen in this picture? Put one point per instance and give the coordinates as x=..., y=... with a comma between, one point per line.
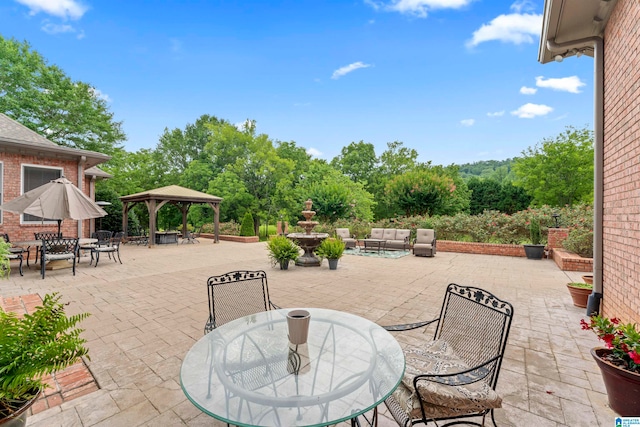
x=35, y=345
x=535, y=250
x=282, y=250
x=580, y=293
x=619, y=362
x=331, y=249
x=5, y=263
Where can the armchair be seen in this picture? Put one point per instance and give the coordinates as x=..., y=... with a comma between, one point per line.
x=425, y=243
x=454, y=375
x=346, y=237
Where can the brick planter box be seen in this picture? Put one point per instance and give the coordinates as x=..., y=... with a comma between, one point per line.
x=480, y=248
x=568, y=261
x=241, y=239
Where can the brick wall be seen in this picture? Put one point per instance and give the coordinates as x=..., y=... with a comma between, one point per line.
x=621, y=251
x=12, y=182
x=480, y=248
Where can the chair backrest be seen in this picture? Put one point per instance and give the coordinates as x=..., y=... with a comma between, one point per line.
x=47, y=235
x=425, y=235
x=103, y=236
x=377, y=233
x=59, y=246
x=343, y=233
x=476, y=324
x=117, y=239
x=236, y=294
x=388, y=234
x=5, y=236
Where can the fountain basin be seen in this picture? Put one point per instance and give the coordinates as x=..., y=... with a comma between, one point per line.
x=308, y=242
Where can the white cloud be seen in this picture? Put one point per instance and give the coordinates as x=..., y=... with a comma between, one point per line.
x=513, y=28
x=467, y=122
x=51, y=28
x=528, y=90
x=496, y=114
x=417, y=8
x=314, y=152
x=529, y=111
x=523, y=6
x=347, y=69
x=64, y=9
x=565, y=84
x=98, y=94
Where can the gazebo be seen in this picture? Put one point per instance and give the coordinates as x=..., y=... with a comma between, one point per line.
x=181, y=197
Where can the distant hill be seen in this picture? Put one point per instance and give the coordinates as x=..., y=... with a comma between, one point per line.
x=500, y=170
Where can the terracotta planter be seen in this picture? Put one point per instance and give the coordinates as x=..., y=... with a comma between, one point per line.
x=579, y=295
x=623, y=387
x=588, y=278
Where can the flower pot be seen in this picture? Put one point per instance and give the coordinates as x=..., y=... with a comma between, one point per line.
x=534, y=251
x=588, y=278
x=19, y=418
x=333, y=264
x=623, y=387
x=579, y=295
x=284, y=264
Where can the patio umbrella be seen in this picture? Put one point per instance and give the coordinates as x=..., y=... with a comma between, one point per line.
x=58, y=199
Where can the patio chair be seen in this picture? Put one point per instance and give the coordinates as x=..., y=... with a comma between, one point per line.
x=425, y=243
x=236, y=294
x=44, y=235
x=108, y=246
x=15, y=253
x=454, y=375
x=58, y=249
x=191, y=237
x=347, y=238
x=103, y=238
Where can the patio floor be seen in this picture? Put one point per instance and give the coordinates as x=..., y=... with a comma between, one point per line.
x=147, y=312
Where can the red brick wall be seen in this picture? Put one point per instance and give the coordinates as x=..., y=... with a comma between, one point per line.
x=12, y=182
x=556, y=236
x=621, y=251
x=479, y=248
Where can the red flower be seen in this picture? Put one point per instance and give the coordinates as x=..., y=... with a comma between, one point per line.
x=608, y=340
x=615, y=320
x=585, y=326
x=634, y=356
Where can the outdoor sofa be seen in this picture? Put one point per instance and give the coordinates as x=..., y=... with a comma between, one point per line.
x=396, y=238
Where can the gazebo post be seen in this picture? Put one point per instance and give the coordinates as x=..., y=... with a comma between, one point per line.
x=125, y=218
x=151, y=205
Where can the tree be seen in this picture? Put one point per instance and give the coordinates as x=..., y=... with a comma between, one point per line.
x=421, y=191
x=44, y=99
x=357, y=160
x=246, y=228
x=485, y=195
x=558, y=171
x=397, y=159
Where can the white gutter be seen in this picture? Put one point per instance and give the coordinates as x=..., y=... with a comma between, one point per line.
x=81, y=163
x=593, y=306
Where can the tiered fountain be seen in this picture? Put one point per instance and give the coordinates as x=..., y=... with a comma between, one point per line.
x=308, y=241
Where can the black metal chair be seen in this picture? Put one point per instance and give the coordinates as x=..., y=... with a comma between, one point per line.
x=109, y=245
x=57, y=249
x=190, y=237
x=15, y=253
x=454, y=376
x=44, y=235
x=236, y=294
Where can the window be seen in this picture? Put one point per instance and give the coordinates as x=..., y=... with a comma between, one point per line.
x=34, y=177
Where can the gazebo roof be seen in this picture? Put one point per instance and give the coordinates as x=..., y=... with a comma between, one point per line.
x=172, y=193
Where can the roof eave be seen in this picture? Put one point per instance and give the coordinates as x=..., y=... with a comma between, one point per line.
x=92, y=158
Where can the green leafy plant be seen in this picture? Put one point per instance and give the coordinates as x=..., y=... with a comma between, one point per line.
x=5, y=264
x=534, y=232
x=331, y=248
x=579, y=241
x=282, y=249
x=246, y=229
x=623, y=339
x=580, y=285
x=35, y=345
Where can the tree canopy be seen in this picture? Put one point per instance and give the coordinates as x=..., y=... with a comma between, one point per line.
x=44, y=99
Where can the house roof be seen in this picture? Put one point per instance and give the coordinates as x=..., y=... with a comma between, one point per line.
x=17, y=138
x=173, y=193
x=97, y=172
x=572, y=20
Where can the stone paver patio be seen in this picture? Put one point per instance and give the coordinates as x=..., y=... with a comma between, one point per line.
x=149, y=311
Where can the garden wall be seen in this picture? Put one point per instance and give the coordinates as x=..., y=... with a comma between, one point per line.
x=480, y=248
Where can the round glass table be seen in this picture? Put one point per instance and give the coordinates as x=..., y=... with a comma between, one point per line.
x=246, y=373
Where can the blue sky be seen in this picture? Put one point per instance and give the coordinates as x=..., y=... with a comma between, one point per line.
x=458, y=80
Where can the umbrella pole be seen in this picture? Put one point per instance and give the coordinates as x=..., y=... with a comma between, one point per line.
x=59, y=235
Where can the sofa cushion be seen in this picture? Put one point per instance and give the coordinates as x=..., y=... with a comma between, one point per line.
x=377, y=233
x=389, y=234
x=343, y=233
x=403, y=234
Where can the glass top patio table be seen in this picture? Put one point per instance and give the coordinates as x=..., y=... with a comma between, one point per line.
x=246, y=372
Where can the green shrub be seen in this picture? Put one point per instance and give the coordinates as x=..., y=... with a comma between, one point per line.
x=331, y=248
x=580, y=241
x=534, y=232
x=246, y=229
x=581, y=285
x=282, y=249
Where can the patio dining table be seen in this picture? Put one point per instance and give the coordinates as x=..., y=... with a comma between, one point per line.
x=246, y=373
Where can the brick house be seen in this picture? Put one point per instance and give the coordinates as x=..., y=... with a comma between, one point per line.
x=610, y=32
x=28, y=160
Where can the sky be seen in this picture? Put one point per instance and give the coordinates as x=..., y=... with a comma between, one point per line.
x=456, y=80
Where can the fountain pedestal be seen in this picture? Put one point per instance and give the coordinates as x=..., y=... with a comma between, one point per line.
x=308, y=241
